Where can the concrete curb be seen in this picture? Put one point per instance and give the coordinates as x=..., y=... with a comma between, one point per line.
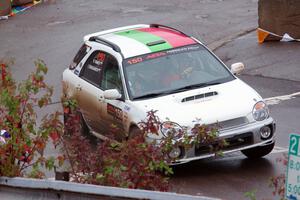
x=219, y=43
x=68, y=187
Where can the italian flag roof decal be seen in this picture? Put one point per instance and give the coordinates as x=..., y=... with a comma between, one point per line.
x=148, y=36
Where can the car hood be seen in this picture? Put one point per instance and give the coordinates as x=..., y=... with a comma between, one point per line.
x=229, y=100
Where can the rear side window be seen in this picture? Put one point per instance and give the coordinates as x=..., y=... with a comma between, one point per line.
x=84, y=49
x=92, y=70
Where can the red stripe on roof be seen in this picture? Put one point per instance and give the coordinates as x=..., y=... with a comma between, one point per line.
x=174, y=38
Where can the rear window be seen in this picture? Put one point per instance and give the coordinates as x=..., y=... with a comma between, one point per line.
x=84, y=49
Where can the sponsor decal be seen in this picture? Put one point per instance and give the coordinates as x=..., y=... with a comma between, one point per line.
x=127, y=108
x=155, y=55
x=97, y=62
x=115, y=112
x=135, y=60
x=183, y=49
x=93, y=68
x=99, y=59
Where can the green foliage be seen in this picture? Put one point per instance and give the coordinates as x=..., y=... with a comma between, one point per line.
x=18, y=106
x=251, y=194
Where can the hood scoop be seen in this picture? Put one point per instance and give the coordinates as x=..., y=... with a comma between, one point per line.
x=199, y=96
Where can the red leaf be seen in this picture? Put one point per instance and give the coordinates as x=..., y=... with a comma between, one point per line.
x=40, y=145
x=54, y=136
x=22, y=158
x=3, y=72
x=66, y=110
x=26, y=148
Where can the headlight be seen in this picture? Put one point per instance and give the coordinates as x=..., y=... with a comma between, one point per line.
x=171, y=128
x=260, y=111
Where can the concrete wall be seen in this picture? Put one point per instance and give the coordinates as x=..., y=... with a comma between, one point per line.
x=280, y=16
x=34, y=189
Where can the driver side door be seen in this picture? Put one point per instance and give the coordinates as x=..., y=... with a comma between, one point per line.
x=114, y=116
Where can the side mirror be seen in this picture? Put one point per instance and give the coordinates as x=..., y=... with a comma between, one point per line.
x=112, y=94
x=237, y=68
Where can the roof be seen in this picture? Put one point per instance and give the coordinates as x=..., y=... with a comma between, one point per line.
x=141, y=39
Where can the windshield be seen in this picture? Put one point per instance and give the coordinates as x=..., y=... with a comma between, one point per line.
x=173, y=71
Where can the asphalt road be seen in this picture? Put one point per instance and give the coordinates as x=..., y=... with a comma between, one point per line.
x=53, y=31
x=273, y=70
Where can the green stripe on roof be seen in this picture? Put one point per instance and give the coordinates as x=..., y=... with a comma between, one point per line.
x=145, y=38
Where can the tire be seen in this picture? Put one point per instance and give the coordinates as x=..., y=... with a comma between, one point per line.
x=134, y=132
x=85, y=131
x=258, y=152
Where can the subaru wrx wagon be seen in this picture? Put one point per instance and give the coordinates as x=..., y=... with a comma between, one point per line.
x=119, y=75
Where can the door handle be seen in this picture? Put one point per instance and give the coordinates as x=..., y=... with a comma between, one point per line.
x=78, y=87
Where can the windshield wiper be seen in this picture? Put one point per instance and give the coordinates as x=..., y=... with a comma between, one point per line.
x=189, y=87
x=150, y=95
x=200, y=85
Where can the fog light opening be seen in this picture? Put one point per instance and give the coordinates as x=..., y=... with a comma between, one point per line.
x=175, y=153
x=265, y=132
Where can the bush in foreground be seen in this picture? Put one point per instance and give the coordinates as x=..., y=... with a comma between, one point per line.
x=132, y=163
x=23, y=142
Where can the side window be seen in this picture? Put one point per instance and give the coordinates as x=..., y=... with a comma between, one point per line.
x=84, y=49
x=93, y=67
x=111, y=75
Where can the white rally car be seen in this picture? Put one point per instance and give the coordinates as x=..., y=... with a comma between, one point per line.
x=119, y=75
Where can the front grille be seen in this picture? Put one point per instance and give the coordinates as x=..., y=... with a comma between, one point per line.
x=229, y=124
x=234, y=142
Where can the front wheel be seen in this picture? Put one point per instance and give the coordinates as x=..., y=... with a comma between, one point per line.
x=134, y=132
x=84, y=129
x=258, y=152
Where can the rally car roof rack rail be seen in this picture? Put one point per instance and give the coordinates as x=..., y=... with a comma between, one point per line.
x=167, y=27
x=106, y=42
